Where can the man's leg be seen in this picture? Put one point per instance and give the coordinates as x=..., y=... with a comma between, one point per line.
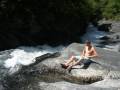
x=69, y=61
x=72, y=64
x=78, y=62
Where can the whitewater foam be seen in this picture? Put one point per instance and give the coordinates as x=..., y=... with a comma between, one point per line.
x=26, y=55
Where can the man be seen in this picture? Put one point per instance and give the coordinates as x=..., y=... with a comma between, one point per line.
x=85, y=58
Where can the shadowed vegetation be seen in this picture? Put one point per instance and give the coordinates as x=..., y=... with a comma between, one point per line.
x=33, y=22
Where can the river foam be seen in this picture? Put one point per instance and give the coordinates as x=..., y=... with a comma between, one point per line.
x=25, y=55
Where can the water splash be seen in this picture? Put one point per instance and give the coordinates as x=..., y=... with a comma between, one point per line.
x=25, y=55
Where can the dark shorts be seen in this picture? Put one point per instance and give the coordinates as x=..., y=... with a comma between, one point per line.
x=86, y=61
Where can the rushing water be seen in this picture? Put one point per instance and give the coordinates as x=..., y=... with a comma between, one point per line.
x=93, y=34
x=12, y=60
x=26, y=55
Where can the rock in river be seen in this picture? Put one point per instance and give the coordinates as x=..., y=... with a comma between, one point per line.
x=46, y=73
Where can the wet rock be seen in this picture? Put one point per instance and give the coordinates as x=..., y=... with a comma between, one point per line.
x=1, y=86
x=114, y=32
x=119, y=48
x=114, y=26
x=47, y=69
x=105, y=38
x=105, y=27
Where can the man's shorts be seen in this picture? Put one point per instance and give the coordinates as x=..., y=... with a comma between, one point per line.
x=85, y=61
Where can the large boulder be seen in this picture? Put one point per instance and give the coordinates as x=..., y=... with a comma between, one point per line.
x=106, y=65
x=47, y=69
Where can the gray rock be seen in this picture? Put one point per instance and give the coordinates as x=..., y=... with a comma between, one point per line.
x=1, y=86
x=108, y=83
x=69, y=86
x=107, y=62
x=47, y=69
x=115, y=25
x=106, y=59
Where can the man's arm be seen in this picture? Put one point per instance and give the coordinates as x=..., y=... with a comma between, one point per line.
x=83, y=53
x=94, y=53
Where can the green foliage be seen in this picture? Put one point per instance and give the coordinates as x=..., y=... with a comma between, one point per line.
x=112, y=10
x=59, y=13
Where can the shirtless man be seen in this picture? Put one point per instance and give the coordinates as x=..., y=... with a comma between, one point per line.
x=88, y=53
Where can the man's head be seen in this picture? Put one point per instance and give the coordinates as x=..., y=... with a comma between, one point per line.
x=88, y=43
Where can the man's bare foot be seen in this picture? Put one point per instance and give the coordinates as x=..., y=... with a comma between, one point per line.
x=64, y=66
